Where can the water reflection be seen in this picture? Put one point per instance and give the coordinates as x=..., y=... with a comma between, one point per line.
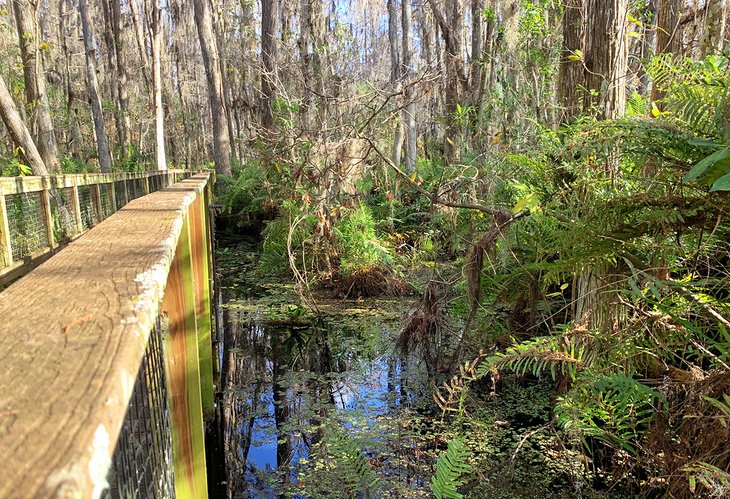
x=284, y=382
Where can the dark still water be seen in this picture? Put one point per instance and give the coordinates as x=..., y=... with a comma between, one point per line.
x=315, y=403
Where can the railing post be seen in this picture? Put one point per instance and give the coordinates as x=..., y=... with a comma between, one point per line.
x=125, y=180
x=146, y=183
x=113, y=200
x=6, y=250
x=183, y=374
x=47, y=214
x=75, y=204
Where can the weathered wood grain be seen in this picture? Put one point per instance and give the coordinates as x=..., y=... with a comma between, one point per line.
x=10, y=270
x=199, y=255
x=72, y=335
x=182, y=363
x=14, y=185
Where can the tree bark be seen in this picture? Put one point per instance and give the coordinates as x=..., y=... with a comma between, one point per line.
x=451, y=22
x=395, y=76
x=268, y=59
x=606, y=57
x=102, y=144
x=713, y=36
x=211, y=61
x=409, y=109
x=156, y=35
x=29, y=36
x=119, y=73
x=571, y=75
x=19, y=132
x=669, y=35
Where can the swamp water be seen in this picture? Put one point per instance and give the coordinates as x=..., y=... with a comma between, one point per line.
x=318, y=405
x=315, y=404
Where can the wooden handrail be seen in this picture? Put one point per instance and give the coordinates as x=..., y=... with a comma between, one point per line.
x=48, y=187
x=73, y=333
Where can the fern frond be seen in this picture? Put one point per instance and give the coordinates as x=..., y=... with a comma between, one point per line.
x=351, y=463
x=567, y=354
x=450, y=466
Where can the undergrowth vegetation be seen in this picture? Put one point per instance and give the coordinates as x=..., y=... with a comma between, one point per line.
x=590, y=260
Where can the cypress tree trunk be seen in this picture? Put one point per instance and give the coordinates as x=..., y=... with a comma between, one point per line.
x=451, y=23
x=571, y=75
x=713, y=36
x=102, y=144
x=268, y=59
x=669, y=35
x=29, y=36
x=160, y=156
x=211, y=61
x=606, y=57
x=19, y=132
x=409, y=110
x=395, y=76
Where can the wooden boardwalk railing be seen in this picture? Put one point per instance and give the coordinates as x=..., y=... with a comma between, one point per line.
x=40, y=214
x=106, y=358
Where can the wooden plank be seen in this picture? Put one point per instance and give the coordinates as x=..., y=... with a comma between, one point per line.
x=113, y=194
x=183, y=373
x=30, y=183
x=6, y=249
x=47, y=216
x=201, y=278
x=70, y=353
x=145, y=184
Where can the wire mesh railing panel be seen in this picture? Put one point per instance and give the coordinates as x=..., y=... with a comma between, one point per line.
x=133, y=189
x=25, y=221
x=142, y=465
x=155, y=184
x=119, y=193
x=64, y=223
x=88, y=208
x=105, y=201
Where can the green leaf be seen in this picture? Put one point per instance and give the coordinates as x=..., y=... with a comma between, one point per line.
x=715, y=161
x=577, y=55
x=655, y=110
x=634, y=20
x=24, y=170
x=450, y=466
x=722, y=184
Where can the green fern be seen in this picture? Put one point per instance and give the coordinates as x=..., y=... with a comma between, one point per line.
x=612, y=409
x=451, y=465
x=351, y=463
x=566, y=354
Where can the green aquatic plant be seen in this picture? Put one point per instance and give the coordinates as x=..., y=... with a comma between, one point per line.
x=450, y=467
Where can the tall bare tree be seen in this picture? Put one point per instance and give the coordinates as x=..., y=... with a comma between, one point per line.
x=156, y=39
x=669, y=34
x=268, y=60
x=211, y=60
x=29, y=36
x=409, y=109
x=713, y=36
x=571, y=74
x=19, y=132
x=606, y=56
x=451, y=21
x=102, y=144
x=395, y=75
